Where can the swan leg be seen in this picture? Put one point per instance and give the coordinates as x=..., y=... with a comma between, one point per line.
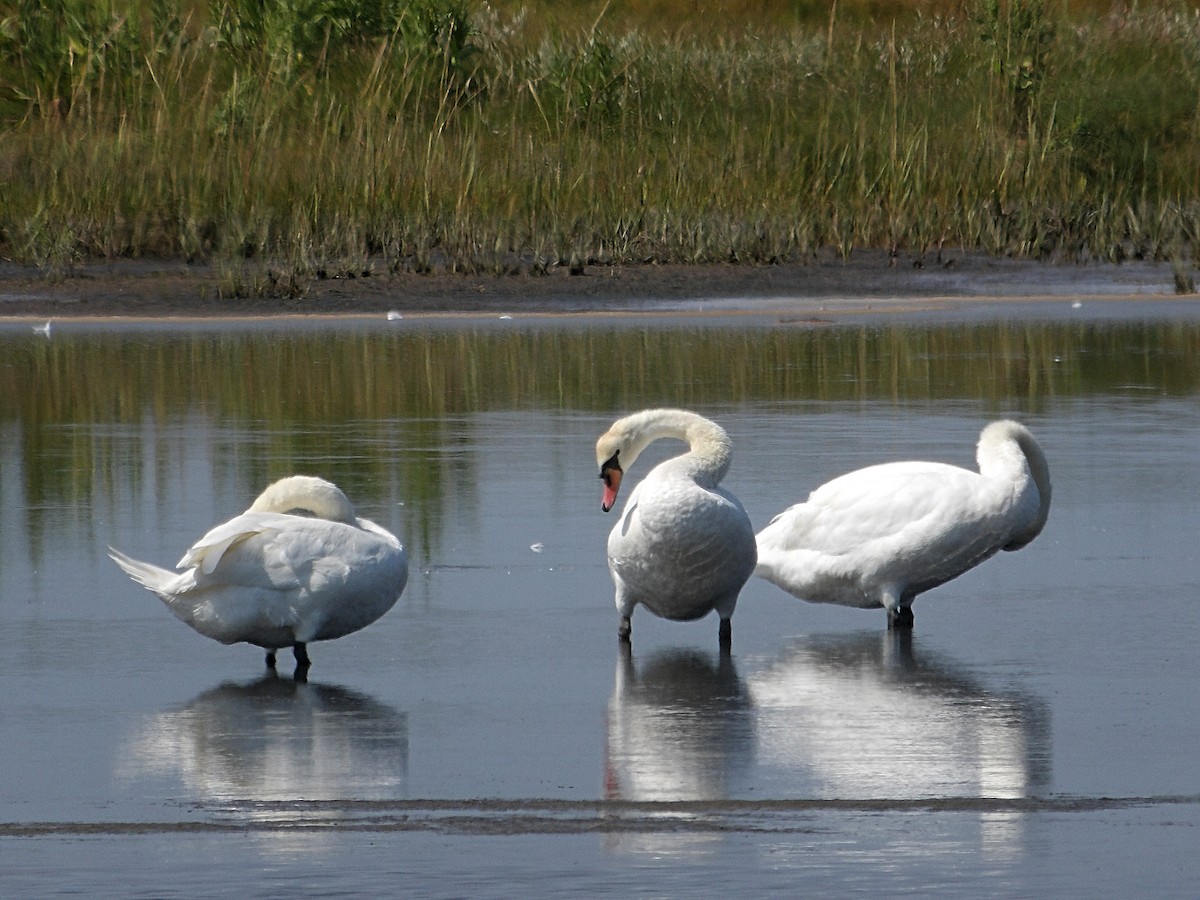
x=301, y=652
x=900, y=619
x=271, y=660
x=625, y=629
x=725, y=634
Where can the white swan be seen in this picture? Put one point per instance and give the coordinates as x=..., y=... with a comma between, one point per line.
x=882, y=535
x=297, y=566
x=683, y=546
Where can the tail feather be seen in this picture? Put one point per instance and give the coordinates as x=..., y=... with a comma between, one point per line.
x=162, y=581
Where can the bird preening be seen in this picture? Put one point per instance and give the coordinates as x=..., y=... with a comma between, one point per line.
x=300, y=566
x=873, y=538
x=879, y=536
x=297, y=566
x=683, y=545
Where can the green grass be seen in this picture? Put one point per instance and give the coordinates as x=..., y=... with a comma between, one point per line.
x=333, y=136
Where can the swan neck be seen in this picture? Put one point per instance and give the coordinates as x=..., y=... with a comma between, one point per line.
x=1039, y=468
x=709, y=447
x=1008, y=449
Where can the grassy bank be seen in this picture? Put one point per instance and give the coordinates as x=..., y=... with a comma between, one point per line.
x=332, y=136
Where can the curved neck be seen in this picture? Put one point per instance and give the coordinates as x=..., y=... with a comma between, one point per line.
x=709, y=445
x=1007, y=446
x=306, y=496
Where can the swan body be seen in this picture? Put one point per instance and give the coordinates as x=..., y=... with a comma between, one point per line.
x=683, y=545
x=884, y=534
x=297, y=566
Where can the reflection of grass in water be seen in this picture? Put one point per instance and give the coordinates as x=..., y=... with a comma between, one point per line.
x=383, y=414
x=327, y=138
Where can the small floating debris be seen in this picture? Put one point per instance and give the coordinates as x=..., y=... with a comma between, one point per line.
x=538, y=547
x=506, y=316
x=393, y=315
x=42, y=329
x=1076, y=305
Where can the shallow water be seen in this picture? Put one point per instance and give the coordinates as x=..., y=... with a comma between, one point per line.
x=487, y=737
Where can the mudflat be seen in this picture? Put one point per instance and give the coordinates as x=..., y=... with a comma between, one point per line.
x=141, y=288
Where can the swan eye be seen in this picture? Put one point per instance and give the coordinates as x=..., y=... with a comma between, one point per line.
x=609, y=465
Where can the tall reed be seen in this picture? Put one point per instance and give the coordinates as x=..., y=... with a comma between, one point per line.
x=334, y=137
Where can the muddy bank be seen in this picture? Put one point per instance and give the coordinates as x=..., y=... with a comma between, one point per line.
x=151, y=289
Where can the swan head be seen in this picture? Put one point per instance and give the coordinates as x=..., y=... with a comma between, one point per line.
x=610, y=474
x=305, y=495
x=620, y=446
x=609, y=449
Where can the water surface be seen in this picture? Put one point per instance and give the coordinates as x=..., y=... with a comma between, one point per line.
x=487, y=736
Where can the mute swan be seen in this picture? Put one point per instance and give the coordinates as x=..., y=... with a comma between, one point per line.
x=297, y=566
x=683, y=546
x=882, y=535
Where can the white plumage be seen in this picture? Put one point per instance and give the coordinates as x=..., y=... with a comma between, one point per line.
x=683, y=546
x=297, y=566
x=882, y=535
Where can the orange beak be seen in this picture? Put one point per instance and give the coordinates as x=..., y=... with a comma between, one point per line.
x=612, y=483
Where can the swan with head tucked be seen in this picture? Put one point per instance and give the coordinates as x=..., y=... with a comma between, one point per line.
x=884, y=534
x=297, y=566
x=684, y=545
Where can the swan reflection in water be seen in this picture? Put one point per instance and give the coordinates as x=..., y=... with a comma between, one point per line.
x=858, y=717
x=868, y=717
x=680, y=728
x=279, y=741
